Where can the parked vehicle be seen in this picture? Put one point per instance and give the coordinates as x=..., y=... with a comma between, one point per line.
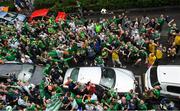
x=167, y=77
x=119, y=79
x=24, y=72
x=11, y=17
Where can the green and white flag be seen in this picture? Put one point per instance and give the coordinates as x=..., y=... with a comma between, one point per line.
x=55, y=103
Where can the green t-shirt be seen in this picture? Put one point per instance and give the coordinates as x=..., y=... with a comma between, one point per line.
x=26, y=26
x=143, y=30
x=104, y=54
x=112, y=93
x=53, y=53
x=31, y=108
x=103, y=101
x=47, y=69
x=10, y=57
x=161, y=21
x=73, y=95
x=51, y=20
x=155, y=35
x=110, y=39
x=116, y=21
x=79, y=101
x=116, y=106
x=140, y=42
x=1, y=57
x=99, y=60
x=74, y=48
x=128, y=96
x=51, y=30
x=143, y=54
x=82, y=34
x=142, y=107
x=108, y=101
x=41, y=44
x=156, y=93
x=98, y=28
x=3, y=37
x=58, y=89
x=23, y=39
x=33, y=42
x=56, y=60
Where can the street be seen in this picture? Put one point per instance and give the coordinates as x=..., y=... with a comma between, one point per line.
x=141, y=69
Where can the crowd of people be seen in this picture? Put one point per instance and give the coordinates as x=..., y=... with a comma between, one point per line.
x=120, y=40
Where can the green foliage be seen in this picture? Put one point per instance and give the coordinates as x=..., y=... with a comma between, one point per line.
x=38, y=4
x=57, y=7
x=70, y=5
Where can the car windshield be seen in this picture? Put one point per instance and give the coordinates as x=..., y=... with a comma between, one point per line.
x=11, y=15
x=108, y=77
x=74, y=74
x=28, y=68
x=153, y=76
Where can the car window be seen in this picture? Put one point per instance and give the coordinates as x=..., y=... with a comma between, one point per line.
x=108, y=77
x=173, y=89
x=1, y=20
x=11, y=15
x=74, y=74
x=153, y=76
x=28, y=68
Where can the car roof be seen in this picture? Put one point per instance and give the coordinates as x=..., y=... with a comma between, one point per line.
x=125, y=81
x=21, y=17
x=2, y=14
x=37, y=75
x=169, y=74
x=17, y=68
x=87, y=74
x=9, y=68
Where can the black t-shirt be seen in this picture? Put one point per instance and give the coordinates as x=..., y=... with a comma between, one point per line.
x=126, y=51
x=152, y=24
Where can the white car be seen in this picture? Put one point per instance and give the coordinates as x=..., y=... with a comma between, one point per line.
x=119, y=79
x=167, y=76
x=24, y=72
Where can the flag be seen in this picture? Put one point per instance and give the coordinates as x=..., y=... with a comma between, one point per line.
x=61, y=16
x=54, y=104
x=4, y=9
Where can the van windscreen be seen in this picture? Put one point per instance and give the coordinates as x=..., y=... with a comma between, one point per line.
x=153, y=77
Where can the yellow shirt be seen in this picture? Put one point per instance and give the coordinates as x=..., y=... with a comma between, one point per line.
x=159, y=54
x=152, y=47
x=115, y=55
x=177, y=40
x=151, y=59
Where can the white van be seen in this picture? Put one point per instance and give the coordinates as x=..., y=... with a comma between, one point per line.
x=167, y=76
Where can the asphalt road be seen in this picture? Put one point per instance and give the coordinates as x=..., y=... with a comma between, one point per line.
x=141, y=69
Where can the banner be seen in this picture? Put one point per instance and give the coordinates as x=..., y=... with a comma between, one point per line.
x=61, y=16
x=4, y=9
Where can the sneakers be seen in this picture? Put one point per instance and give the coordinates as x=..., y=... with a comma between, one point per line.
x=124, y=66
